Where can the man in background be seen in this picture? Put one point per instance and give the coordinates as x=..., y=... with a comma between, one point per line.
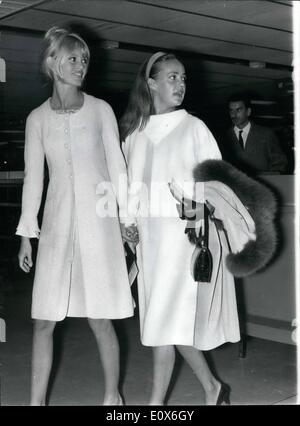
x=248, y=146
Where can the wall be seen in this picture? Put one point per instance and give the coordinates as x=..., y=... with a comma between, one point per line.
x=268, y=299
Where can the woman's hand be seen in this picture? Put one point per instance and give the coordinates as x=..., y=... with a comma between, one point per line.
x=25, y=255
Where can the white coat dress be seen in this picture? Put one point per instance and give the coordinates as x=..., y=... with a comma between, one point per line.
x=174, y=309
x=80, y=267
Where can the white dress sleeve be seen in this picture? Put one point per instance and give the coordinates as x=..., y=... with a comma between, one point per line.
x=114, y=158
x=135, y=150
x=34, y=159
x=129, y=215
x=206, y=147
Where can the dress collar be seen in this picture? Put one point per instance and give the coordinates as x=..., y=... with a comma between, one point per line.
x=160, y=125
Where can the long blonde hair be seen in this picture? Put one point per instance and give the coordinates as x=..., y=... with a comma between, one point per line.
x=140, y=105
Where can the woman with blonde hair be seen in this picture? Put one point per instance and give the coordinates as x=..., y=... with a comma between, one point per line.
x=80, y=268
x=163, y=143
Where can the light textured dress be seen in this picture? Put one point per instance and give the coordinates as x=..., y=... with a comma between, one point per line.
x=80, y=267
x=174, y=309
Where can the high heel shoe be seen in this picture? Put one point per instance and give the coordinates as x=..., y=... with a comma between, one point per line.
x=223, y=395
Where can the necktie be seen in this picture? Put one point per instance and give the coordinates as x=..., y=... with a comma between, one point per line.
x=241, y=142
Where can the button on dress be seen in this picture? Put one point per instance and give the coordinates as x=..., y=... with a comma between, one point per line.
x=80, y=266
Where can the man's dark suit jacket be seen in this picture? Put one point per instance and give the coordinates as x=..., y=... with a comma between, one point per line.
x=262, y=152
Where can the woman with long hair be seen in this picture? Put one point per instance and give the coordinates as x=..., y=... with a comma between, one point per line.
x=163, y=143
x=80, y=268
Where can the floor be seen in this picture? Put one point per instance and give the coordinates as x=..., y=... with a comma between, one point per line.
x=266, y=376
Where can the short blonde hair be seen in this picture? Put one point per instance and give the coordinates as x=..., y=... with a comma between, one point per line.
x=54, y=41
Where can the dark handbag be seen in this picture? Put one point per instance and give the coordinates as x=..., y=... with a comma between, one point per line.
x=192, y=212
x=202, y=262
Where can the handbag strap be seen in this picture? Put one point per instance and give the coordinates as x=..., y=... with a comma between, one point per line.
x=203, y=238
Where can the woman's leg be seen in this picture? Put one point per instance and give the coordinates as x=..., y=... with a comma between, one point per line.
x=42, y=355
x=163, y=365
x=108, y=346
x=198, y=363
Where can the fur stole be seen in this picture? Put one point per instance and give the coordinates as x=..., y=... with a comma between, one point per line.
x=262, y=206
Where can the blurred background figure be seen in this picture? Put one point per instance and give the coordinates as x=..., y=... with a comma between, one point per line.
x=248, y=146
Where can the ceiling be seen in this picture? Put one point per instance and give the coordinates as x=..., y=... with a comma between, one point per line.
x=225, y=45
